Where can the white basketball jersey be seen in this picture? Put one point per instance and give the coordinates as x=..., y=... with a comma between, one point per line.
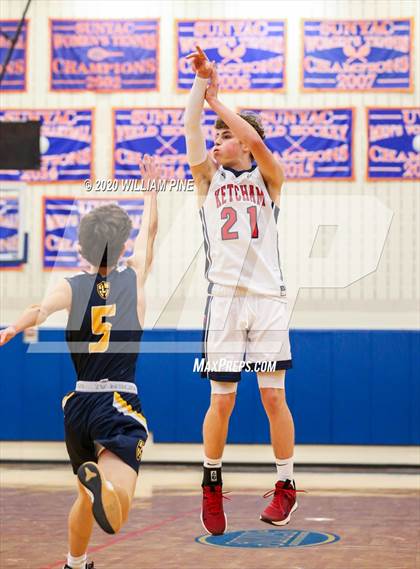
x=240, y=233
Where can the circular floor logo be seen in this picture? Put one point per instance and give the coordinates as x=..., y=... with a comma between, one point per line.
x=272, y=538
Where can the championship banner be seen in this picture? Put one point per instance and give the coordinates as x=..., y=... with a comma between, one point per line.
x=61, y=220
x=357, y=55
x=104, y=55
x=250, y=54
x=15, y=77
x=66, y=145
x=311, y=144
x=159, y=132
x=393, y=144
x=9, y=228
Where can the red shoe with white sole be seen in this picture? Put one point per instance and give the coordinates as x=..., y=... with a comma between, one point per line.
x=213, y=517
x=282, y=505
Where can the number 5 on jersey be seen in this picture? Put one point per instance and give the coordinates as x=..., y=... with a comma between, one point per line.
x=98, y=313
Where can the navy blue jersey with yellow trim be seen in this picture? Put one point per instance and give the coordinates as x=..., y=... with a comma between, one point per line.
x=103, y=331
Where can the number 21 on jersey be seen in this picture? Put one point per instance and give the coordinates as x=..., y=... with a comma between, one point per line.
x=229, y=213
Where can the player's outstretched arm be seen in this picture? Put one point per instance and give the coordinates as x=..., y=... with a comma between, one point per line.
x=202, y=166
x=269, y=167
x=142, y=257
x=58, y=299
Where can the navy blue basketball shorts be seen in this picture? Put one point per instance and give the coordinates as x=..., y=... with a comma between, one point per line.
x=97, y=421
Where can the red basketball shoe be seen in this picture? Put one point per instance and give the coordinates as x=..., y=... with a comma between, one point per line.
x=213, y=517
x=282, y=505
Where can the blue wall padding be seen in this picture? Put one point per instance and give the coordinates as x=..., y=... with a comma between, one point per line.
x=346, y=387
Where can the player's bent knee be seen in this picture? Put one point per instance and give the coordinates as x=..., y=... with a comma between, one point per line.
x=273, y=399
x=223, y=403
x=121, y=475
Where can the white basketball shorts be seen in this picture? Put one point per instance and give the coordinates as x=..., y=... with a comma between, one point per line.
x=245, y=333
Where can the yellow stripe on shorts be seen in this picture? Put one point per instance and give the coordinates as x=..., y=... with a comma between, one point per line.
x=126, y=409
x=66, y=398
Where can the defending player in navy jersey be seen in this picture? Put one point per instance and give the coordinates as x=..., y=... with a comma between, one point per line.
x=245, y=318
x=104, y=425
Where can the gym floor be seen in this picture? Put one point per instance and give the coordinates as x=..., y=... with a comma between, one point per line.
x=376, y=516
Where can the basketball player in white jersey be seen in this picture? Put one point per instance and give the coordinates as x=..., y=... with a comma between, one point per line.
x=245, y=320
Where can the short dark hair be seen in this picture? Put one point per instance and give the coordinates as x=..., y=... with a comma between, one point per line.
x=253, y=119
x=102, y=234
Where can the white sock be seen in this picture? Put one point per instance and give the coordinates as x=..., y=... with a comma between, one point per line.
x=76, y=562
x=212, y=462
x=284, y=468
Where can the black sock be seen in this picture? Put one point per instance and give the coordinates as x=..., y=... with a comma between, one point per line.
x=212, y=476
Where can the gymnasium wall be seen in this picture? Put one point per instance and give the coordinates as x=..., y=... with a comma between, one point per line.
x=346, y=387
x=386, y=298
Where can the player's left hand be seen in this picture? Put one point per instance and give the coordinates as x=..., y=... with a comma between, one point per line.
x=213, y=87
x=150, y=169
x=7, y=334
